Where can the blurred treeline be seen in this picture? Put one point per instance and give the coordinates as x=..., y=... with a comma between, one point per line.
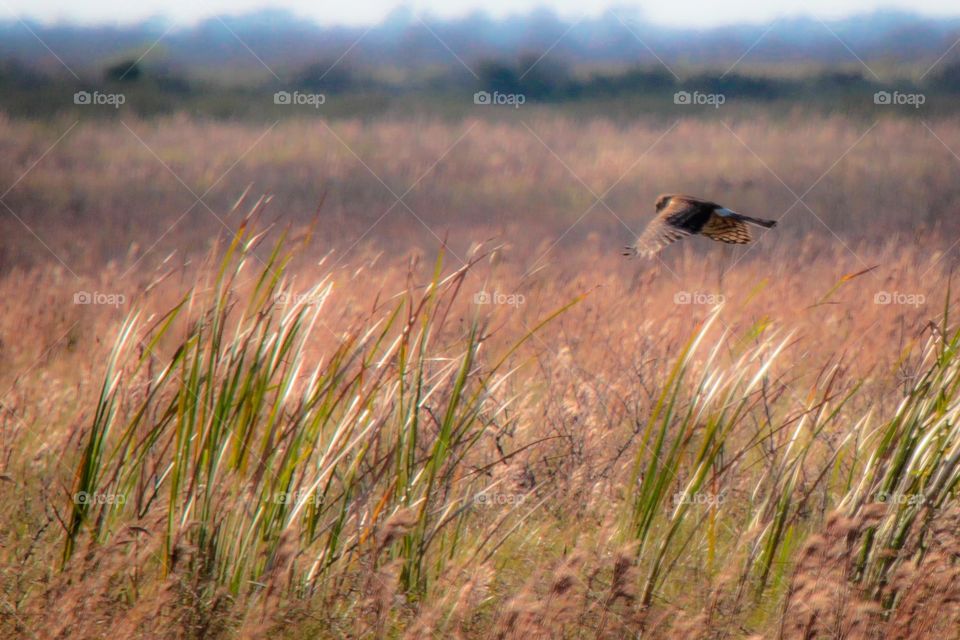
x=350, y=90
x=231, y=67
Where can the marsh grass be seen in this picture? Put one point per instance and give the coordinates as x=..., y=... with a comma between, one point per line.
x=314, y=444
x=352, y=478
x=270, y=468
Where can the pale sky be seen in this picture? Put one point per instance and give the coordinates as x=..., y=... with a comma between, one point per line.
x=698, y=13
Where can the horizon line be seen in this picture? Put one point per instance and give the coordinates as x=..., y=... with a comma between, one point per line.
x=174, y=24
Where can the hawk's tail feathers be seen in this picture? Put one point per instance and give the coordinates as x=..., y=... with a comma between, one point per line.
x=769, y=224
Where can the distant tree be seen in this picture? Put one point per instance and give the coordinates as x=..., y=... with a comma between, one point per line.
x=543, y=77
x=498, y=76
x=126, y=71
x=735, y=84
x=16, y=74
x=638, y=79
x=837, y=81
x=170, y=81
x=326, y=75
x=947, y=78
x=645, y=79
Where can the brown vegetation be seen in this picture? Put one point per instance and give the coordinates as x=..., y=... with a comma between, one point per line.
x=596, y=450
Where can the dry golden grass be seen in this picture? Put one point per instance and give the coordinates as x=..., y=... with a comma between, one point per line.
x=550, y=554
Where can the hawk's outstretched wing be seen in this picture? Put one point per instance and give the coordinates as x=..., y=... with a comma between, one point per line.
x=680, y=218
x=658, y=234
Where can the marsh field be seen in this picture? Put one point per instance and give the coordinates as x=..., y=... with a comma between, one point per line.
x=391, y=377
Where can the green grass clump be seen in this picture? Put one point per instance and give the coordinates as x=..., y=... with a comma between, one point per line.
x=266, y=460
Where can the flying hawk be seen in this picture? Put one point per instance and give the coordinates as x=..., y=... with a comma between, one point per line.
x=679, y=216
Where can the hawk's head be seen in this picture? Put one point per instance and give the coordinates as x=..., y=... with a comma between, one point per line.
x=663, y=201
